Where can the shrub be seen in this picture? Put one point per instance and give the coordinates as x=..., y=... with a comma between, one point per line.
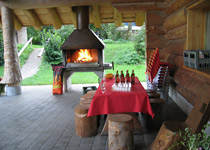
x=1, y=49
x=52, y=42
x=140, y=42
x=65, y=31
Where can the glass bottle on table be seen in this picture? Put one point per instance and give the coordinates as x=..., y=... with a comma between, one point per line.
x=122, y=78
x=127, y=76
x=117, y=78
x=132, y=77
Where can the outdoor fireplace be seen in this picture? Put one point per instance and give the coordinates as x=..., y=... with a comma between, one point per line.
x=83, y=51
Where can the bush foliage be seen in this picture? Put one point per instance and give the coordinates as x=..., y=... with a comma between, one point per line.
x=52, y=42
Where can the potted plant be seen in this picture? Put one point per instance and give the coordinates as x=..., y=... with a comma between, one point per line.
x=192, y=141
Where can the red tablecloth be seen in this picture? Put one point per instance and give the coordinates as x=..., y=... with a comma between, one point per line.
x=120, y=102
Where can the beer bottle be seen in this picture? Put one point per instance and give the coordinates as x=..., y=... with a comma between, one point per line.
x=127, y=76
x=132, y=77
x=122, y=78
x=117, y=78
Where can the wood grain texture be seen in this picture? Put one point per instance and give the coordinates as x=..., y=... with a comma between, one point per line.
x=140, y=18
x=176, y=19
x=96, y=15
x=55, y=19
x=117, y=18
x=18, y=25
x=177, y=33
x=176, y=47
x=31, y=15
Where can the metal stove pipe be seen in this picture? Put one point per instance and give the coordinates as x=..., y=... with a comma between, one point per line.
x=82, y=17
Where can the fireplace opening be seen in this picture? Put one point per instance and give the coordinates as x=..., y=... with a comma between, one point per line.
x=82, y=56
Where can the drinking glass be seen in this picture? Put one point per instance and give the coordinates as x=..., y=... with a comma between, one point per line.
x=103, y=87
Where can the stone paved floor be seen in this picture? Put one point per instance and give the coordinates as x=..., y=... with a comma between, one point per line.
x=39, y=120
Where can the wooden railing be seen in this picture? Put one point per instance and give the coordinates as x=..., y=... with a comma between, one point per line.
x=24, y=47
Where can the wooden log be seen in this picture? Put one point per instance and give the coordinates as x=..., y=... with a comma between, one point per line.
x=85, y=126
x=85, y=102
x=18, y=25
x=155, y=18
x=86, y=96
x=117, y=18
x=166, y=135
x=176, y=19
x=96, y=16
x=188, y=94
x=175, y=47
x=176, y=60
x=92, y=93
x=34, y=20
x=151, y=29
x=177, y=4
x=12, y=73
x=120, y=132
x=154, y=41
x=177, y=33
x=54, y=17
x=140, y=18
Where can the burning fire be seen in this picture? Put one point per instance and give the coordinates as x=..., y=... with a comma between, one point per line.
x=84, y=56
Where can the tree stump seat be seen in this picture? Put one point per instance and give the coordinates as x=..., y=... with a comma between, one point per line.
x=91, y=92
x=86, y=96
x=85, y=126
x=120, y=132
x=157, y=105
x=153, y=95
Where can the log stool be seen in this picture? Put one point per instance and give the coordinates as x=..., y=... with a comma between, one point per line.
x=120, y=132
x=85, y=126
x=166, y=135
x=158, y=109
x=91, y=92
x=86, y=100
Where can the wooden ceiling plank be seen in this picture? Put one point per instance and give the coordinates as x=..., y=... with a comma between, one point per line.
x=117, y=18
x=18, y=25
x=96, y=16
x=140, y=18
x=73, y=17
x=31, y=15
x=55, y=19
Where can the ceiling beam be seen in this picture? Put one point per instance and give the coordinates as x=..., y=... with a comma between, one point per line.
x=34, y=20
x=96, y=16
x=140, y=18
x=73, y=17
x=18, y=25
x=117, y=18
x=55, y=19
x=134, y=7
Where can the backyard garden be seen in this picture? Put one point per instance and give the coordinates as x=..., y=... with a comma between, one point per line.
x=126, y=48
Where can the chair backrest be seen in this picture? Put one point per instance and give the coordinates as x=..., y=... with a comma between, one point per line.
x=199, y=115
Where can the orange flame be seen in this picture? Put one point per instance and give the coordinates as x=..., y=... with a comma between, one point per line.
x=84, y=56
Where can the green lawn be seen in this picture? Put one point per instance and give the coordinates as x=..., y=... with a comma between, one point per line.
x=45, y=75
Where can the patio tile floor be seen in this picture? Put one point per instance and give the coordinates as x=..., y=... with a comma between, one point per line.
x=38, y=120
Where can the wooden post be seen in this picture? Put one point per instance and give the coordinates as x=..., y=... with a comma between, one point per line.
x=12, y=74
x=120, y=132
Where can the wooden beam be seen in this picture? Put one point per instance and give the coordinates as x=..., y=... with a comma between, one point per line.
x=177, y=33
x=140, y=18
x=144, y=6
x=96, y=16
x=73, y=17
x=0, y=24
x=31, y=15
x=18, y=25
x=56, y=21
x=117, y=18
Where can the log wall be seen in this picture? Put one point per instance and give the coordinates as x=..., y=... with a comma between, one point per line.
x=188, y=83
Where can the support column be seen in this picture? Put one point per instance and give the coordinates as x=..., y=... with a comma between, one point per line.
x=12, y=75
x=22, y=36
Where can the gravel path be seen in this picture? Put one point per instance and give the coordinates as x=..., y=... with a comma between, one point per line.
x=32, y=64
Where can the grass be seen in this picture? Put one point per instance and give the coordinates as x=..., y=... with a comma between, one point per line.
x=23, y=57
